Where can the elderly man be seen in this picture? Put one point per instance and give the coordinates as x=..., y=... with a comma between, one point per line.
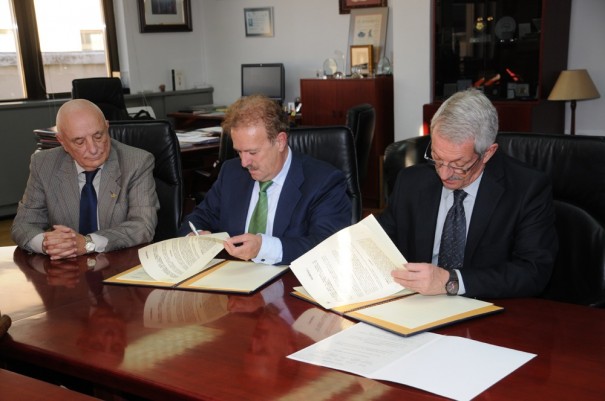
x=275, y=203
x=474, y=221
x=91, y=194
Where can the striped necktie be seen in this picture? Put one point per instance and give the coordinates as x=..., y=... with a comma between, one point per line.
x=453, y=238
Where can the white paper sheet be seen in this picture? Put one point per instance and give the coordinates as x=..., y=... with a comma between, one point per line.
x=353, y=265
x=453, y=367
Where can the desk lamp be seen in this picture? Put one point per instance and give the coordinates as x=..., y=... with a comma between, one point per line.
x=573, y=85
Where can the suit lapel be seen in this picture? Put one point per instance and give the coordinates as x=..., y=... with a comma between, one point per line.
x=109, y=189
x=488, y=196
x=426, y=220
x=68, y=192
x=289, y=197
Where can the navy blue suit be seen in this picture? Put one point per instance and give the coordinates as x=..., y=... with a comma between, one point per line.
x=313, y=204
x=511, y=242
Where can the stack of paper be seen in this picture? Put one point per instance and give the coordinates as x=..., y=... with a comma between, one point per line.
x=198, y=137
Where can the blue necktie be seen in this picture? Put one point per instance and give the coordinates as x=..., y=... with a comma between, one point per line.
x=88, y=205
x=453, y=238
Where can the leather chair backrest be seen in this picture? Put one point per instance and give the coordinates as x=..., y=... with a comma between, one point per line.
x=576, y=166
x=107, y=93
x=333, y=144
x=158, y=138
x=361, y=119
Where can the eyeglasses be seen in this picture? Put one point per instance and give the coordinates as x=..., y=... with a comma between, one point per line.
x=438, y=165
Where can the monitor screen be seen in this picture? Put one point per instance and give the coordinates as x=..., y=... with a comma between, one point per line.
x=264, y=79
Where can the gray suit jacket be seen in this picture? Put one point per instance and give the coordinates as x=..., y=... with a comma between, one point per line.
x=127, y=201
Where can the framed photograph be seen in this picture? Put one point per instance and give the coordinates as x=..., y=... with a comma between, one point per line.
x=362, y=59
x=165, y=16
x=259, y=21
x=368, y=26
x=345, y=6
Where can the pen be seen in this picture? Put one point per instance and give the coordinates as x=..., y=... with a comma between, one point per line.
x=193, y=228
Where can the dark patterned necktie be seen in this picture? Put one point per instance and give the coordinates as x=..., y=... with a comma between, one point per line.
x=453, y=238
x=258, y=221
x=88, y=205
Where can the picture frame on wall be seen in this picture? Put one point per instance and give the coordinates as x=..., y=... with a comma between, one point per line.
x=368, y=26
x=345, y=6
x=362, y=59
x=165, y=16
x=259, y=21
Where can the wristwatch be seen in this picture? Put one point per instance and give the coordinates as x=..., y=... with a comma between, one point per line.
x=451, y=287
x=90, y=245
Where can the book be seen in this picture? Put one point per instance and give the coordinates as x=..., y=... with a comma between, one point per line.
x=349, y=273
x=189, y=263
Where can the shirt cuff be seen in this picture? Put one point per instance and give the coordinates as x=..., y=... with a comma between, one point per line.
x=270, y=251
x=35, y=244
x=461, y=288
x=100, y=242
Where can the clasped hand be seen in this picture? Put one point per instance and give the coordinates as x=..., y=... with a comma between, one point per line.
x=424, y=278
x=62, y=242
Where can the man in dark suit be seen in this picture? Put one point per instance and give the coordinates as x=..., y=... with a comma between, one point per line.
x=306, y=198
x=506, y=208
x=49, y=217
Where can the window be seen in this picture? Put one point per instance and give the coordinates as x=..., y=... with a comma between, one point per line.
x=45, y=44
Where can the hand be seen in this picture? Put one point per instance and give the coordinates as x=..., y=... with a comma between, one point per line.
x=424, y=278
x=61, y=242
x=63, y=273
x=245, y=246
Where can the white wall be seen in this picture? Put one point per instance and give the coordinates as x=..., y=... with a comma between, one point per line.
x=309, y=31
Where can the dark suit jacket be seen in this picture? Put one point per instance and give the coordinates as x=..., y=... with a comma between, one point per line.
x=511, y=243
x=313, y=204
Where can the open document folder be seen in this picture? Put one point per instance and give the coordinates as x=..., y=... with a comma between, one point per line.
x=454, y=367
x=188, y=263
x=350, y=274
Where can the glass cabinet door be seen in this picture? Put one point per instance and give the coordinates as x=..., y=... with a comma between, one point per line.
x=493, y=45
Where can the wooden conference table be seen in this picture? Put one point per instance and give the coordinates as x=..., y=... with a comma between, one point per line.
x=67, y=325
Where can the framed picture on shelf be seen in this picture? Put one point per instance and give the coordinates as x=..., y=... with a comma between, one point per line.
x=368, y=26
x=259, y=21
x=362, y=60
x=165, y=16
x=345, y=6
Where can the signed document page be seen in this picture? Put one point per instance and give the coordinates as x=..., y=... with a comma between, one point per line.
x=431, y=362
x=352, y=266
x=176, y=259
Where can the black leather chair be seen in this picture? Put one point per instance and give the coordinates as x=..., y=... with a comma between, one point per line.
x=107, y=93
x=361, y=119
x=576, y=165
x=333, y=144
x=158, y=138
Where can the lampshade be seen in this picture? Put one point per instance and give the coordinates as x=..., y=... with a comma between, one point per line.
x=574, y=85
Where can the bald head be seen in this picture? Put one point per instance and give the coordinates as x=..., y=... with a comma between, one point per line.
x=83, y=132
x=75, y=107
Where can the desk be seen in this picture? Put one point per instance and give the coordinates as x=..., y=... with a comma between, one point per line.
x=17, y=387
x=230, y=355
x=189, y=121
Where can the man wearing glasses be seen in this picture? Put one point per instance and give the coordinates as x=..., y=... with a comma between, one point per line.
x=472, y=220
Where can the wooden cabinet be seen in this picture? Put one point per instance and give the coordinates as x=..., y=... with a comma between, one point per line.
x=326, y=101
x=513, y=50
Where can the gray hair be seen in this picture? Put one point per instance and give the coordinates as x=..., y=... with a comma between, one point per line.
x=467, y=115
